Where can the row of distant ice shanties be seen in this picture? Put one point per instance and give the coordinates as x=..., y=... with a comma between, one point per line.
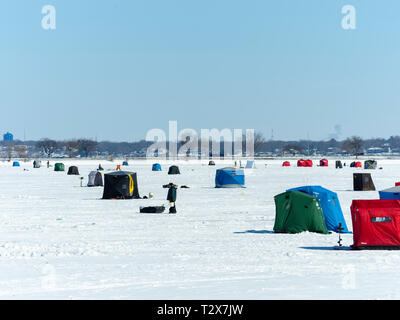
x=376, y=223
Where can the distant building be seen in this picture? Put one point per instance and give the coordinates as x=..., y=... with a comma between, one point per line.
x=375, y=150
x=8, y=137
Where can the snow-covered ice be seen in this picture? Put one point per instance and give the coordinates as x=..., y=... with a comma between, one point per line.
x=61, y=241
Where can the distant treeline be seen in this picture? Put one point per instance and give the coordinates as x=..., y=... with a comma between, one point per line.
x=71, y=148
x=89, y=148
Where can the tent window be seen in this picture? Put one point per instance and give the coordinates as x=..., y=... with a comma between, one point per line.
x=381, y=219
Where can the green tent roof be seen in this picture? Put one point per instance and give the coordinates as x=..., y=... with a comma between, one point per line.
x=297, y=212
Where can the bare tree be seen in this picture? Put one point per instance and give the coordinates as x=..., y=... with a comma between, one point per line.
x=353, y=145
x=259, y=142
x=21, y=150
x=87, y=146
x=10, y=150
x=9, y=147
x=47, y=146
x=71, y=147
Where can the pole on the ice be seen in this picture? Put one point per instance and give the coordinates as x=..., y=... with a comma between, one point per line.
x=340, y=239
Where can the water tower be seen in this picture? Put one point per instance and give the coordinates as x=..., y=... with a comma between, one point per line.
x=8, y=137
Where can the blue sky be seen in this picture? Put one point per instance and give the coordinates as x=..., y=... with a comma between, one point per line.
x=114, y=69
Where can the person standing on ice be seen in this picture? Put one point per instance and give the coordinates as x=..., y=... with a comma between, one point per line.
x=171, y=197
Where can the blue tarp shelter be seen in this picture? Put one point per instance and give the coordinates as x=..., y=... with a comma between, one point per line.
x=156, y=167
x=15, y=164
x=391, y=193
x=229, y=178
x=330, y=206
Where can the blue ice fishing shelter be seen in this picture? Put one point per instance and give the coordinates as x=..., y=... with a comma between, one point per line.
x=156, y=167
x=15, y=164
x=229, y=178
x=330, y=206
x=391, y=193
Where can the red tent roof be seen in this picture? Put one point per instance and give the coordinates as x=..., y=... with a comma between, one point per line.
x=301, y=163
x=304, y=163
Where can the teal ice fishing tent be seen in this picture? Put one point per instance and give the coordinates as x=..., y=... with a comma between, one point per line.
x=15, y=164
x=229, y=178
x=156, y=167
x=330, y=205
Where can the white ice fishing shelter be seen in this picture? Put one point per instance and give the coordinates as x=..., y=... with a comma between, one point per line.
x=250, y=164
x=37, y=163
x=95, y=179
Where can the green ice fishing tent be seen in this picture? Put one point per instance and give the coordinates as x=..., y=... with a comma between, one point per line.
x=59, y=167
x=297, y=212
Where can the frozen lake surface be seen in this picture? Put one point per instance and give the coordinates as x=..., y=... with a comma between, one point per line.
x=62, y=241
